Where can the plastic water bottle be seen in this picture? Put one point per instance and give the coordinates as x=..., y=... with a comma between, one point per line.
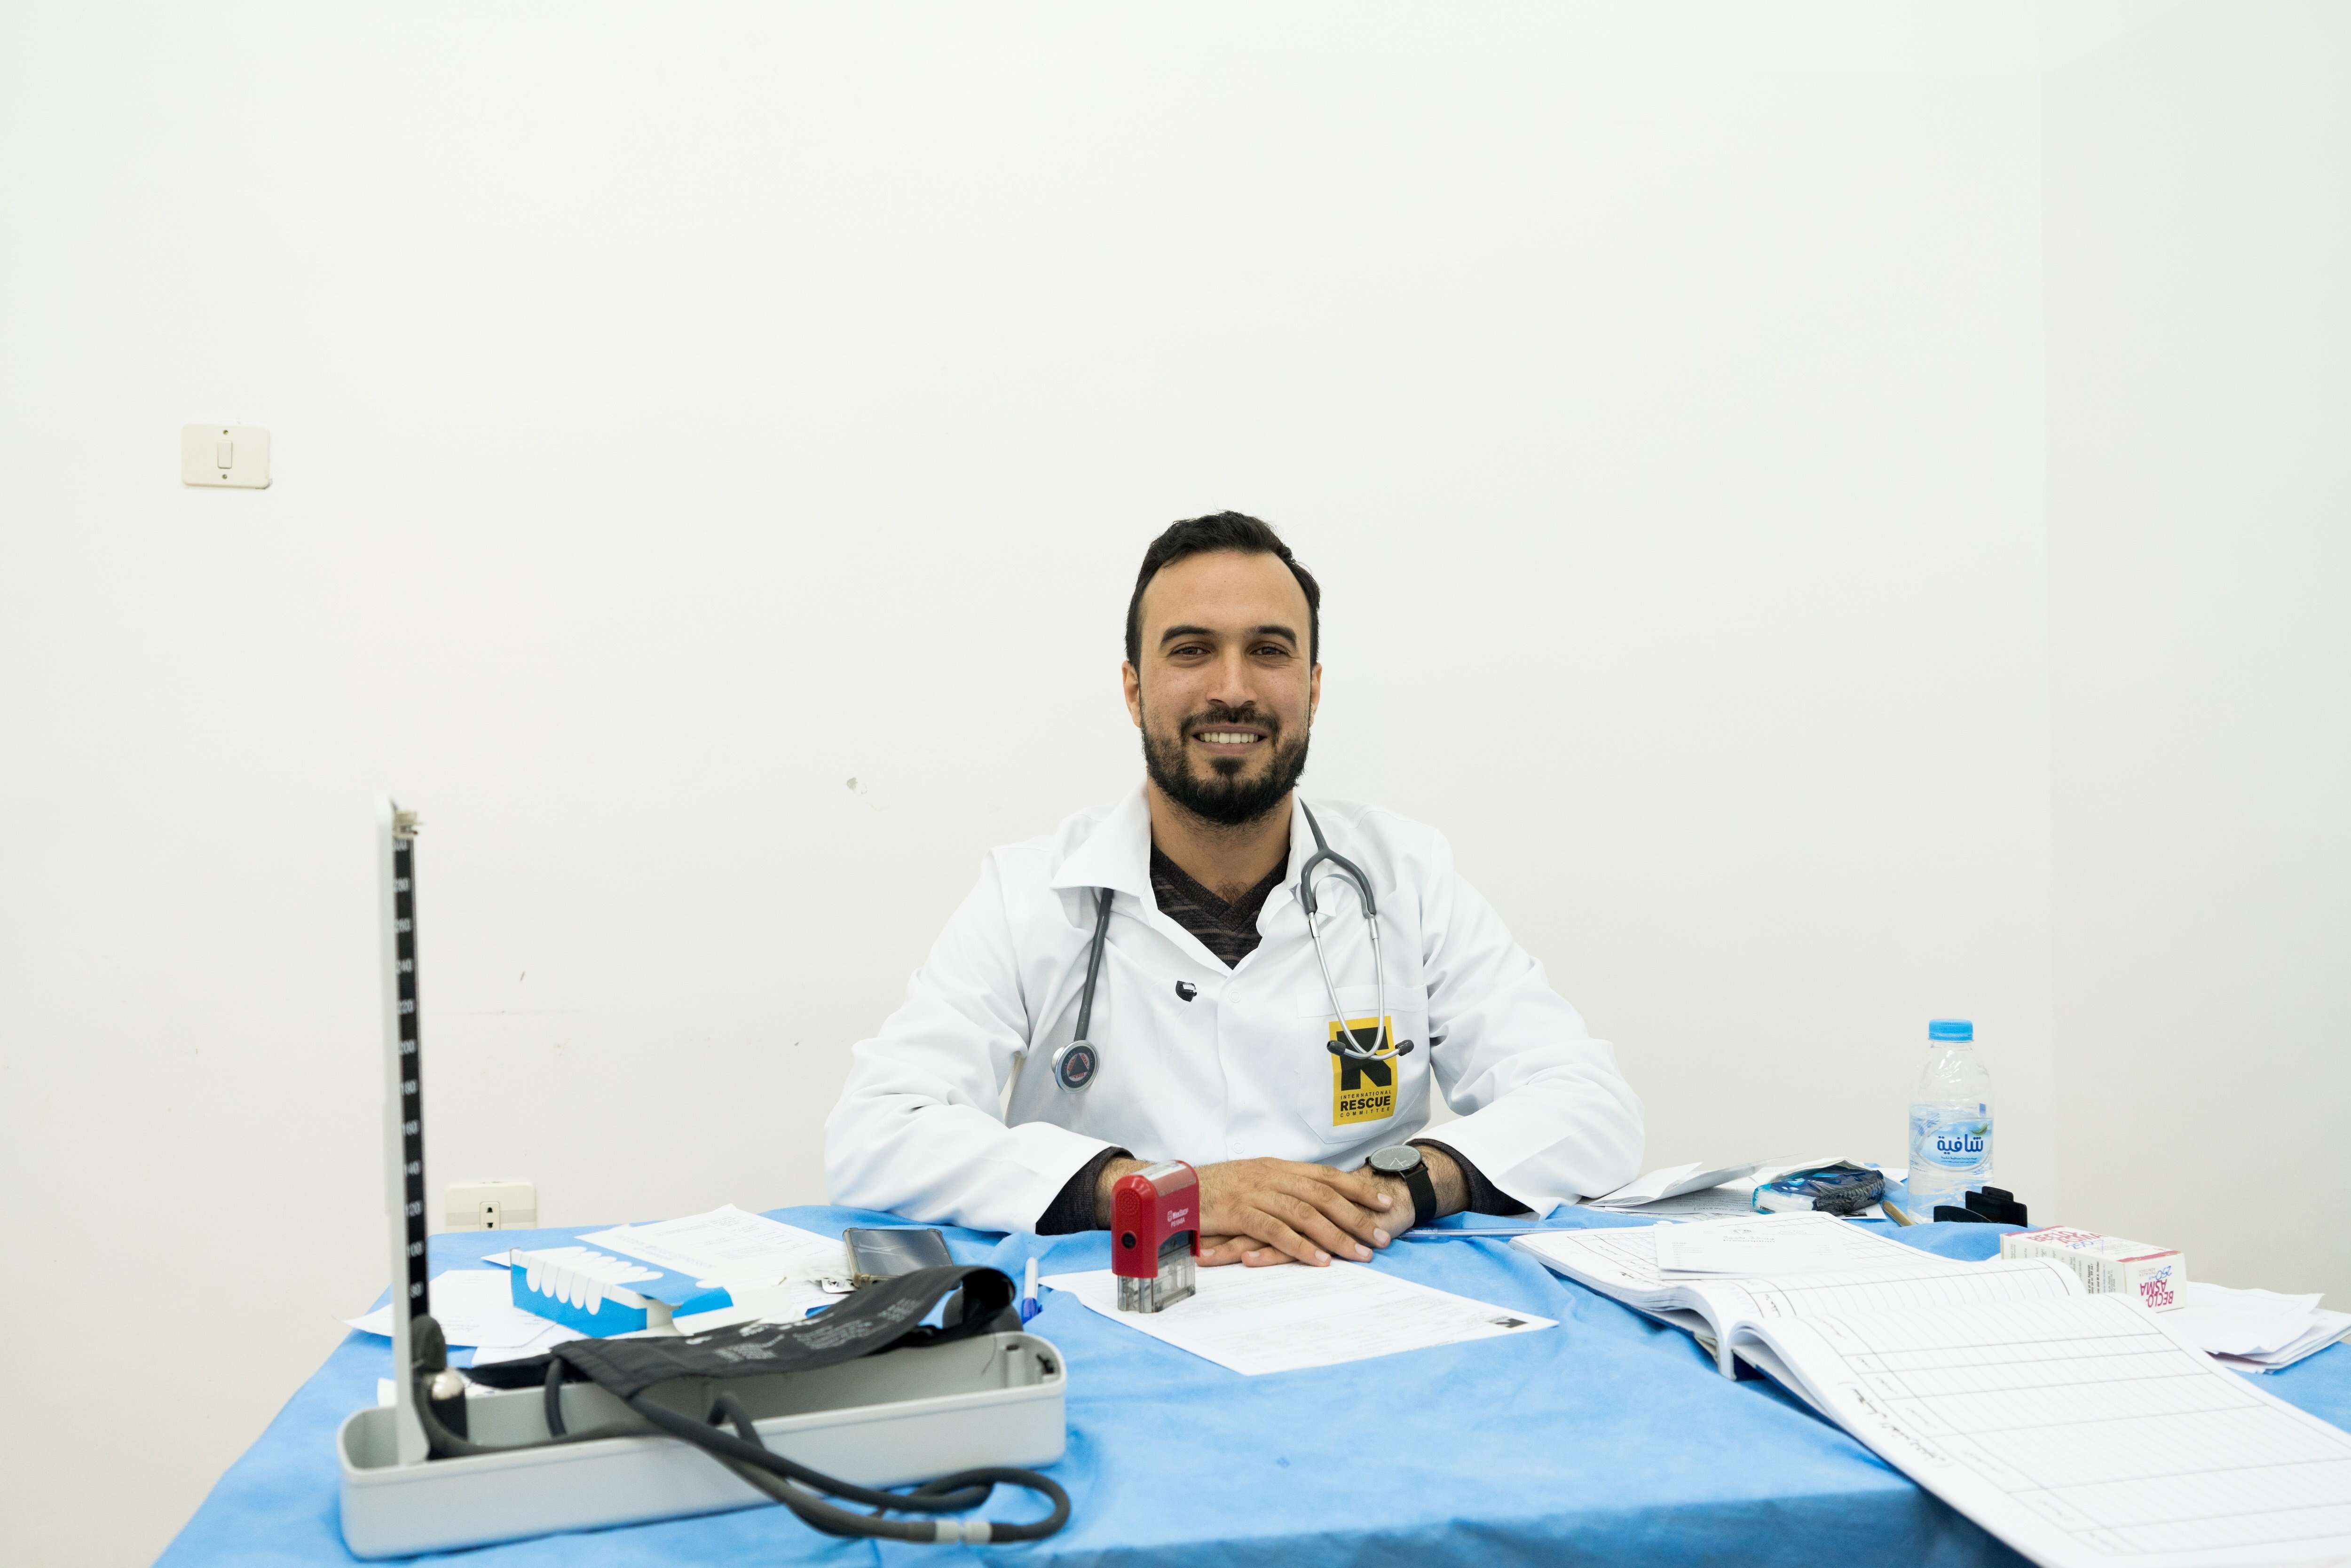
x=1950, y=1120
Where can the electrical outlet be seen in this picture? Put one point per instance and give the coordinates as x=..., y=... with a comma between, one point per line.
x=490, y=1205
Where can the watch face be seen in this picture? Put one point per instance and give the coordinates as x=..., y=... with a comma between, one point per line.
x=1394, y=1160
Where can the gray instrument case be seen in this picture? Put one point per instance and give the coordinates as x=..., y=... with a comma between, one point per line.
x=884, y=1421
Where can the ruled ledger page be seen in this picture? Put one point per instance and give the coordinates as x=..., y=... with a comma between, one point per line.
x=2080, y=1431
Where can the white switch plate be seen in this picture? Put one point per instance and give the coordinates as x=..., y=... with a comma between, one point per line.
x=491, y=1206
x=231, y=454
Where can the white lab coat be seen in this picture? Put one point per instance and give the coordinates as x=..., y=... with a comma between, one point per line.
x=1241, y=1066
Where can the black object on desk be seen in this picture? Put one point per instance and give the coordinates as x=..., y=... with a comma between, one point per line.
x=1843, y=1189
x=887, y=1252
x=1986, y=1206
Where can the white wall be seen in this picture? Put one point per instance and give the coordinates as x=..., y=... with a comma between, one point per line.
x=2198, y=200
x=678, y=413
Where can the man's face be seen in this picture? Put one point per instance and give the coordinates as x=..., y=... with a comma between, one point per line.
x=1227, y=687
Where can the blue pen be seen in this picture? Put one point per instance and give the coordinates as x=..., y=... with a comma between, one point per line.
x=1480, y=1233
x=1030, y=1305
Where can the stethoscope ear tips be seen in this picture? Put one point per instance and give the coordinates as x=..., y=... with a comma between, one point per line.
x=1352, y=1054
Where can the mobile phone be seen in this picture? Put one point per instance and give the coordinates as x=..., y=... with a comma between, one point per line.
x=884, y=1254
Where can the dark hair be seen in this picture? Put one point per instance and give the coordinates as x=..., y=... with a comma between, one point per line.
x=1220, y=530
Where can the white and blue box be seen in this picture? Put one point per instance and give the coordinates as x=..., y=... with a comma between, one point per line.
x=603, y=1293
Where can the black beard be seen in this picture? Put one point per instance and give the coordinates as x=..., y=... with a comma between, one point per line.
x=1225, y=798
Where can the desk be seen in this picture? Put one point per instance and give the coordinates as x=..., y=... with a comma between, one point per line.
x=1608, y=1439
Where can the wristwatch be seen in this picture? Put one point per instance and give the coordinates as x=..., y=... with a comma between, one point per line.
x=1403, y=1160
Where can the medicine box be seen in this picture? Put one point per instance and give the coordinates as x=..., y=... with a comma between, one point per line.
x=601, y=1295
x=2156, y=1277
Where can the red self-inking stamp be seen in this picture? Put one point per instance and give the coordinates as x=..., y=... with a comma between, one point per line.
x=1154, y=1245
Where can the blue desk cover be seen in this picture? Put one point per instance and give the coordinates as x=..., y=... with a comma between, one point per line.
x=1609, y=1440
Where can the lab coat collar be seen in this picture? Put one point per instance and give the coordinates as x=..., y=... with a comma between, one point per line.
x=1117, y=853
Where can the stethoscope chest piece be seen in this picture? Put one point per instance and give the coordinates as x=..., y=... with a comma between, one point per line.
x=1075, y=1064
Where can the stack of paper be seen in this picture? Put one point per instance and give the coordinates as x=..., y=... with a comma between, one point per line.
x=2257, y=1331
x=1679, y=1191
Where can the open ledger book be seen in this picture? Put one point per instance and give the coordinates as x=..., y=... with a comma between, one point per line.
x=2077, y=1428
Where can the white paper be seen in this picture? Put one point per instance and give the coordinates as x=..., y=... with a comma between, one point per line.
x=551, y=1336
x=1797, y=1243
x=2327, y=1329
x=2243, y=1323
x=1289, y=1316
x=729, y=1246
x=473, y=1306
x=2256, y=1331
x=1671, y=1182
x=2324, y=1330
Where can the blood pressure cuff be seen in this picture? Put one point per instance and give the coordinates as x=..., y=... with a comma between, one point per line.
x=891, y=1314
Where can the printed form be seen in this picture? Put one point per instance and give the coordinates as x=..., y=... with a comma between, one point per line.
x=1288, y=1317
x=2082, y=1431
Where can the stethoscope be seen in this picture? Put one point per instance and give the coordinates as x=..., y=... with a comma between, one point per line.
x=1077, y=1063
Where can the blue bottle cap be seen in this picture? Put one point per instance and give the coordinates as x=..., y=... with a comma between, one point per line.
x=1950, y=1028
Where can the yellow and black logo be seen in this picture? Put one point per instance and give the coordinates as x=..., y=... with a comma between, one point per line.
x=1361, y=1091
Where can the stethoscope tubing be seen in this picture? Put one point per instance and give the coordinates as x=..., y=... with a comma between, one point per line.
x=1093, y=964
x=1081, y=1051
x=1345, y=1038
x=1343, y=1042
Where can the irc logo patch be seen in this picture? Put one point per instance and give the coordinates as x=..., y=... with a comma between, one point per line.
x=1361, y=1091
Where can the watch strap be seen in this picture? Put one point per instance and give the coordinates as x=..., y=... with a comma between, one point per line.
x=1423, y=1190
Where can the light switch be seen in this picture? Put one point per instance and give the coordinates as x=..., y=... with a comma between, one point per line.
x=237, y=456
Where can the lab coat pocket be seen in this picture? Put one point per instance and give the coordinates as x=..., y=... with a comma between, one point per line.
x=1345, y=1100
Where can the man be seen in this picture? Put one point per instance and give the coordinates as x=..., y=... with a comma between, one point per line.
x=1215, y=1035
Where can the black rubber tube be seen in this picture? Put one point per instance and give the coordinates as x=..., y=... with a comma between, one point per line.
x=955, y=1493
x=773, y=1473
